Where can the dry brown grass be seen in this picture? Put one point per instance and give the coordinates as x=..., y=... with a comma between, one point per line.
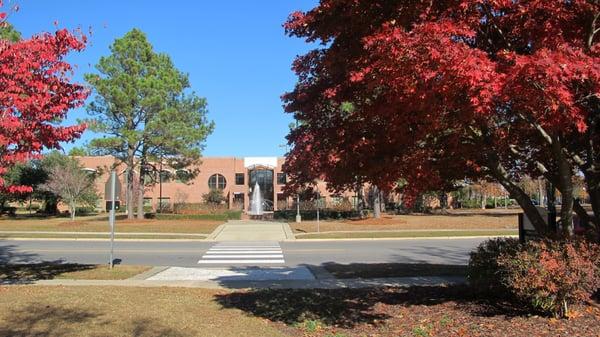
x=455, y=220
x=100, y=224
x=122, y=311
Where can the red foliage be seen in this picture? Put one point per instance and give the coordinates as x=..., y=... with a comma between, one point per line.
x=438, y=91
x=36, y=93
x=552, y=275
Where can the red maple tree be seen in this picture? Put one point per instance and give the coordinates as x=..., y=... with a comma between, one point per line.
x=36, y=93
x=439, y=91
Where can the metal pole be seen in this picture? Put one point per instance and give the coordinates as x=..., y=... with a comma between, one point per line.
x=111, y=218
x=298, y=217
x=160, y=186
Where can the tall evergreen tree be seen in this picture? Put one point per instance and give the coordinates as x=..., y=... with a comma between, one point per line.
x=145, y=111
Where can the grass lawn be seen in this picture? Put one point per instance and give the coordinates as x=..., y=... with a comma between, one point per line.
x=464, y=220
x=86, y=311
x=99, y=223
x=404, y=234
x=47, y=271
x=122, y=311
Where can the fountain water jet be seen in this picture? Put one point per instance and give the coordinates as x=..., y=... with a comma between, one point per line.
x=256, y=204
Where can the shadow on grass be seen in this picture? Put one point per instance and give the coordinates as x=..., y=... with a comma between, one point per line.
x=347, y=308
x=42, y=320
x=378, y=270
x=29, y=273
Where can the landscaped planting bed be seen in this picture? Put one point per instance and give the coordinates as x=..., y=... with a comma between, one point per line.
x=418, y=311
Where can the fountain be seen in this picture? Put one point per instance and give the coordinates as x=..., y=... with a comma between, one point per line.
x=256, y=203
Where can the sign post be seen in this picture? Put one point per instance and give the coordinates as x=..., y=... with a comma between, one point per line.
x=111, y=216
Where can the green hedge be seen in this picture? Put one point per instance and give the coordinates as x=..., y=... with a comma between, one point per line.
x=221, y=216
x=324, y=214
x=85, y=210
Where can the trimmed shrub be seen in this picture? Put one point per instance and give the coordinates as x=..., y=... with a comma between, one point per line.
x=199, y=208
x=324, y=214
x=223, y=216
x=85, y=210
x=552, y=275
x=547, y=276
x=484, y=272
x=11, y=211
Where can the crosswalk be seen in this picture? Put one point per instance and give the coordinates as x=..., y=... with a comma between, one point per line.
x=237, y=253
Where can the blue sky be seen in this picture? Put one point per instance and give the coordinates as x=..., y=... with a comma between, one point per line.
x=235, y=52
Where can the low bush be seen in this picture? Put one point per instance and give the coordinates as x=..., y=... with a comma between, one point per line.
x=198, y=208
x=324, y=214
x=484, y=272
x=32, y=207
x=552, y=275
x=85, y=210
x=547, y=276
x=223, y=216
x=9, y=210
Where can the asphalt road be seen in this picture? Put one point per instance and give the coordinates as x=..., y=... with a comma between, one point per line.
x=187, y=254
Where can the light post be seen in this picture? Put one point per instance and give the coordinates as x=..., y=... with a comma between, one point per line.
x=111, y=216
x=160, y=185
x=298, y=217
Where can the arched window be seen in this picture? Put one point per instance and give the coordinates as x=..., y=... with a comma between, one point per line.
x=217, y=181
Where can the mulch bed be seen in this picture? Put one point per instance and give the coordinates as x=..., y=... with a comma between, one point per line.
x=416, y=311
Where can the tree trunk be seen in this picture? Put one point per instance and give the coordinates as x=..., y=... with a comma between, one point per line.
x=140, y=201
x=130, y=187
x=483, y=201
x=376, y=203
x=73, y=210
x=443, y=200
x=359, y=200
x=522, y=199
x=565, y=175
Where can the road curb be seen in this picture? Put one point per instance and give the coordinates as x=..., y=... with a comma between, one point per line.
x=100, y=239
x=408, y=238
x=276, y=284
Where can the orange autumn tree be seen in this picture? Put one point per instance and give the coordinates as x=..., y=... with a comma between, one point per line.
x=435, y=92
x=36, y=93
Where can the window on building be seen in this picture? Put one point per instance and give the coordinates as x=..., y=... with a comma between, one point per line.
x=238, y=200
x=239, y=179
x=217, y=181
x=147, y=201
x=281, y=178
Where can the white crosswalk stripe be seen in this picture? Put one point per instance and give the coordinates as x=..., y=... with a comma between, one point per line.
x=242, y=254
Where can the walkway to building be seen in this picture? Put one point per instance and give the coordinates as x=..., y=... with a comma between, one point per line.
x=250, y=230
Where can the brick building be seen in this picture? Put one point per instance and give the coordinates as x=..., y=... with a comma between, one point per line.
x=235, y=176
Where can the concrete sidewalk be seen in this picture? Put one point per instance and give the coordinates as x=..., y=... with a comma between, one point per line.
x=279, y=284
x=250, y=230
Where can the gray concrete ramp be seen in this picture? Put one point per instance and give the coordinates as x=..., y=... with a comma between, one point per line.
x=251, y=230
